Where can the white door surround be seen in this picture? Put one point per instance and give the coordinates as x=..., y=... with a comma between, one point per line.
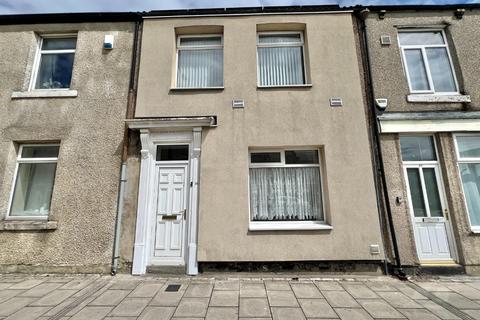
x=167, y=131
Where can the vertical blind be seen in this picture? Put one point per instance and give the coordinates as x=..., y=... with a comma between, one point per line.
x=280, y=60
x=200, y=62
x=285, y=194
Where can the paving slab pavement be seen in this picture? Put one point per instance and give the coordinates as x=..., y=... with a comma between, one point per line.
x=227, y=296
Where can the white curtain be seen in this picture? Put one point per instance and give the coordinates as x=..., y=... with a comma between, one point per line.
x=471, y=187
x=280, y=66
x=291, y=194
x=200, y=68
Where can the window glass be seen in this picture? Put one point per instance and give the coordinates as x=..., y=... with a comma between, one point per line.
x=59, y=43
x=417, y=148
x=200, y=67
x=200, y=41
x=40, y=151
x=416, y=70
x=433, y=196
x=301, y=156
x=469, y=146
x=416, y=193
x=279, y=38
x=421, y=38
x=263, y=157
x=285, y=194
x=280, y=60
x=172, y=153
x=442, y=75
x=470, y=174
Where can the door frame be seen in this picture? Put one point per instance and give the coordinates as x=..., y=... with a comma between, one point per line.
x=165, y=261
x=435, y=164
x=150, y=137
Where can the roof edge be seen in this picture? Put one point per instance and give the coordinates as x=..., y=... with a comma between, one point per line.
x=78, y=17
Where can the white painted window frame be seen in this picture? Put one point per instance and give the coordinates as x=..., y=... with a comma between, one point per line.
x=19, y=161
x=204, y=47
x=283, y=44
x=460, y=160
x=286, y=225
x=425, y=61
x=38, y=57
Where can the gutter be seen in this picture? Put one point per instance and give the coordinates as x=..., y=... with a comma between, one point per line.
x=376, y=144
x=123, y=173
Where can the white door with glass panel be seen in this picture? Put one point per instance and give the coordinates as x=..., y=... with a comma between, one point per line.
x=168, y=240
x=431, y=226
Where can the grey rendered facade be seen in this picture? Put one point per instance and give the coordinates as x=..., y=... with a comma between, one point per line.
x=445, y=118
x=86, y=121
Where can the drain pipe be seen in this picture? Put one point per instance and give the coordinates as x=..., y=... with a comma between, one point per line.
x=123, y=173
x=378, y=157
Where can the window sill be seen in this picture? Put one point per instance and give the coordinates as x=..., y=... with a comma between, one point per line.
x=475, y=230
x=449, y=98
x=288, y=226
x=197, y=89
x=44, y=94
x=293, y=86
x=27, y=225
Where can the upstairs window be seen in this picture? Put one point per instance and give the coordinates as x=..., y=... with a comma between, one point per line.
x=280, y=59
x=34, y=178
x=200, y=61
x=427, y=62
x=54, y=63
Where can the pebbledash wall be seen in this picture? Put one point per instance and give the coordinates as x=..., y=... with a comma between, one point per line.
x=272, y=118
x=389, y=81
x=89, y=126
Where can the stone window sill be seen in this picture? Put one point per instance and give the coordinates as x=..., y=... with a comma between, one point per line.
x=30, y=225
x=288, y=226
x=432, y=98
x=293, y=86
x=44, y=94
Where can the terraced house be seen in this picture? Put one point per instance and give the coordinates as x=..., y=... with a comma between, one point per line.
x=253, y=144
x=424, y=64
x=63, y=100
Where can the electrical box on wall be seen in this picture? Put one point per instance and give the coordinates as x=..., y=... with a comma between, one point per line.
x=385, y=40
x=238, y=103
x=336, y=102
x=108, y=41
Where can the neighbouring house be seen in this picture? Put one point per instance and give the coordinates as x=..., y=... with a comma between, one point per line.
x=249, y=144
x=425, y=62
x=63, y=101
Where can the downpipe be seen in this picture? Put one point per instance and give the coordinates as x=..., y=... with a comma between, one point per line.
x=118, y=222
x=378, y=156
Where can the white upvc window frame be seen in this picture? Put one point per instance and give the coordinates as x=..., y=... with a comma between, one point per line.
x=460, y=160
x=286, y=225
x=204, y=47
x=20, y=160
x=38, y=57
x=284, y=44
x=425, y=61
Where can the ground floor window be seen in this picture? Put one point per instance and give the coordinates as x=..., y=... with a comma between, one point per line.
x=34, y=179
x=285, y=185
x=468, y=156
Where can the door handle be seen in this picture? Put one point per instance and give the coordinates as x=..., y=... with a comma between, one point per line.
x=446, y=214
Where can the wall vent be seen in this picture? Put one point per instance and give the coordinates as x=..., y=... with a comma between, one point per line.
x=385, y=40
x=336, y=102
x=238, y=103
x=374, y=249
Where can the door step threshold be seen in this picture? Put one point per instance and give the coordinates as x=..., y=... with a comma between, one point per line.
x=174, y=270
x=440, y=269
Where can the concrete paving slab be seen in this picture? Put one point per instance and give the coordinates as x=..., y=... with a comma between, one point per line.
x=306, y=291
x=110, y=298
x=224, y=299
x=199, y=290
x=168, y=299
x=252, y=290
x=465, y=290
x=92, y=313
x=419, y=314
x=13, y=305
x=398, y=300
x=360, y=291
x=125, y=284
x=222, y=313
x=340, y=299
x=282, y=299
x=227, y=285
x=438, y=310
x=254, y=307
x=28, y=313
x=457, y=300
x=328, y=285
x=27, y=284
x=130, y=307
x=277, y=285
x=192, y=307
x=54, y=298
x=352, y=314
x=316, y=308
x=157, y=313
x=473, y=313
x=380, y=309
x=433, y=286
x=9, y=293
x=41, y=289
x=288, y=314
x=147, y=289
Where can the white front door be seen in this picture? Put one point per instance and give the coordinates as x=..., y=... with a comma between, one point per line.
x=431, y=227
x=168, y=240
